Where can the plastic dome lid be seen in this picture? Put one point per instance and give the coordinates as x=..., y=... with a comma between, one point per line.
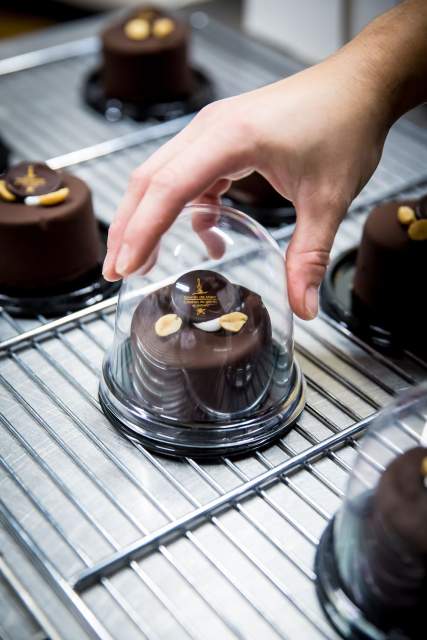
x=372, y=560
x=202, y=359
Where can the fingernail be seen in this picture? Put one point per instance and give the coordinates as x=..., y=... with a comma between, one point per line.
x=106, y=267
x=123, y=260
x=312, y=301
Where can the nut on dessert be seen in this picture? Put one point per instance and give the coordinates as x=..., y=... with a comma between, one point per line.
x=5, y=194
x=418, y=230
x=163, y=27
x=137, y=29
x=167, y=325
x=48, y=199
x=405, y=215
x=233, y=321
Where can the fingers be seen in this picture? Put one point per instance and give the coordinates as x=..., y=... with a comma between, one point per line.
x=307, y=256
x=204, y=222
x=210, y=157
x=136, y=189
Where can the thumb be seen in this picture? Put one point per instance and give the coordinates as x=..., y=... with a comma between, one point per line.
x=307, y=256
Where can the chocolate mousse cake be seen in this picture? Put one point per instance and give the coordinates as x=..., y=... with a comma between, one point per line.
x=390, y=582
x=48, y=232
x=202, y=349
x=145, y=58
x=391, y=259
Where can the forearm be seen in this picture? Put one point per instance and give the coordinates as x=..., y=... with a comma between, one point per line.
x=390, y=54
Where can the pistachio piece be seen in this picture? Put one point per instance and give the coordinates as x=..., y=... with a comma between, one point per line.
x=5, y=194
x=137, y=29
x=167, y=325
x=418, y=230
x=48, y=199
x=405, y=215
x=233, y=321
x=163, y=27
x=209, y=325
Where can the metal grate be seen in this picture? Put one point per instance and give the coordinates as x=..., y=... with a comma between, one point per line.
x=112, y=541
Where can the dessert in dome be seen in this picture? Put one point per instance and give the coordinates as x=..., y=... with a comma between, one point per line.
x=202, y=349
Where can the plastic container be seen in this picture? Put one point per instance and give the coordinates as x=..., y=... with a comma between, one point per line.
x=202, y=360
x=372, y=559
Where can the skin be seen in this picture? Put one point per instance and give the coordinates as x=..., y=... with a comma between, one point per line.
x=317, y=137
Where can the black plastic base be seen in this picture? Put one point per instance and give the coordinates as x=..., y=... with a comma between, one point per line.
x=267, y=216
x=59, y=301
x=114, y=109
x=337, y=300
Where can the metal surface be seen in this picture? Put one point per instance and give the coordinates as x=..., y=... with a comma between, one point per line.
x=114, y=542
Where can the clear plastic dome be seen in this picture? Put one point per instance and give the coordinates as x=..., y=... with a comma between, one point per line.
x=372, y=560
x=202, y=360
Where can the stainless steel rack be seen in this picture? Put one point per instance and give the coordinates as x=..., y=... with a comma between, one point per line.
x=110, y=541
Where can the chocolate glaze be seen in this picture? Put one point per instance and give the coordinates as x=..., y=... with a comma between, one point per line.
x=390, y=580
x=388, y=271
x=146, y=71
x=193, y=374
x=43, y=247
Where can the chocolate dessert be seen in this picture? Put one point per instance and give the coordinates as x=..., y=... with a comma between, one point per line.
x=48, y=231
x=202, y=349
x=389, y=576
x=256, y=197
x=145, y=58
x=390, y=261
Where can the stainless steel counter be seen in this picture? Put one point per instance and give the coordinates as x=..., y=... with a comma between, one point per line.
x=101, y=539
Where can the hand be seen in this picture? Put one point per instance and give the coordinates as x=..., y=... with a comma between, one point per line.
x=316, y=137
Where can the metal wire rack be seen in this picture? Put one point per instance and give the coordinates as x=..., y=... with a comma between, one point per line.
x=102, y=539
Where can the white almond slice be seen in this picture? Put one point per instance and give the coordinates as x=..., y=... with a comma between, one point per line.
x=208, y=325
x=32, y=201
x=167, y=325
x=233, y=321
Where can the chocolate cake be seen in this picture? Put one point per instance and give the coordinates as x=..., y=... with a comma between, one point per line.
x=145, y=58
x=390, y=261
x=390, y=579
x=202, y=349
x=256, y=191
x=48, y=231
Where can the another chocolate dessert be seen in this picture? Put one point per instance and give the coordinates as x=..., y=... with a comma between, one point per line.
x=390, y=580
x=145, y=58
x=256, y=197
x=391, y=259
x=202, y=349
x=48, y=231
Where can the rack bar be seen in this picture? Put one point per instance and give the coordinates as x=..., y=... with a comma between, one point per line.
x=89, y=577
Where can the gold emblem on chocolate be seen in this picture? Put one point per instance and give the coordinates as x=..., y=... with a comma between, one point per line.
x=405, y=215
x=137, y=29
x=163, y=27
x=233, y=321
x=167, y=325
x=200, y=300
x=30, y=181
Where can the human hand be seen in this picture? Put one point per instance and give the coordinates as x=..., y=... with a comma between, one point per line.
x=316, y=137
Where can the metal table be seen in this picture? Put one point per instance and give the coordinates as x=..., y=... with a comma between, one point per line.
x=98, y=537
